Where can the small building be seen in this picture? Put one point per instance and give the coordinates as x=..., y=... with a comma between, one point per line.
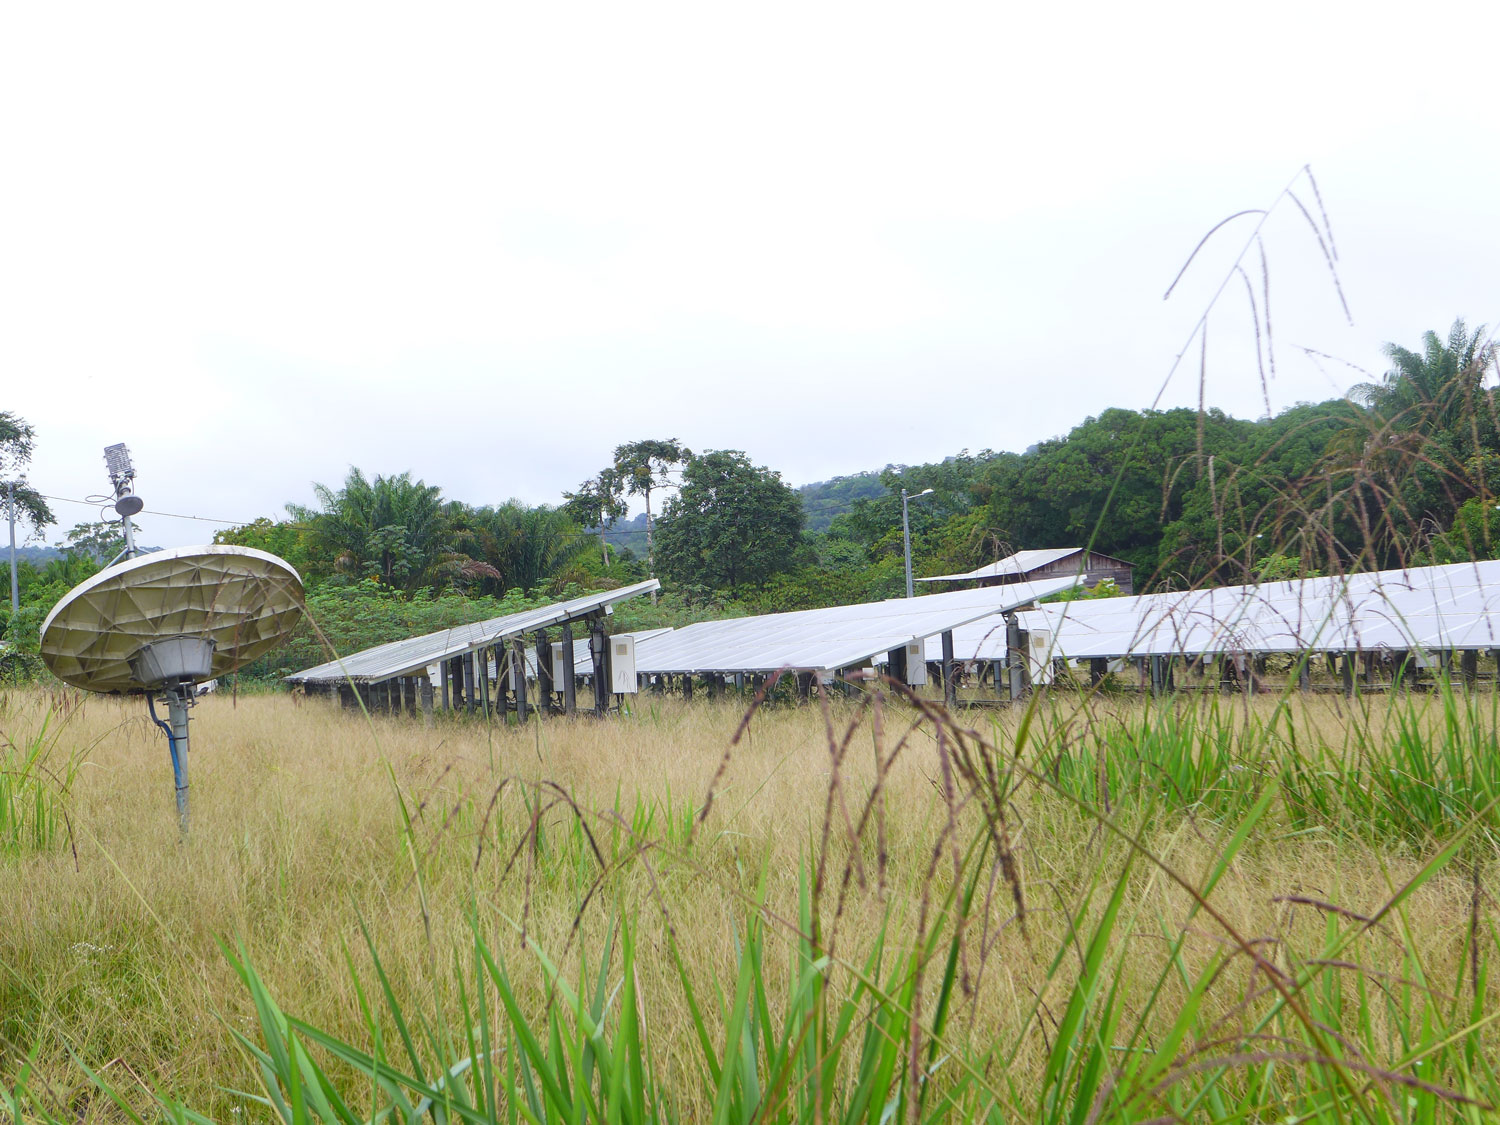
x=1052, y=562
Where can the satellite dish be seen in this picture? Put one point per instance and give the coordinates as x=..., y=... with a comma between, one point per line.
x=241, y=601
x=164, y=622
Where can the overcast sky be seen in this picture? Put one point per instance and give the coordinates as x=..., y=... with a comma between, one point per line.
x=487, y=244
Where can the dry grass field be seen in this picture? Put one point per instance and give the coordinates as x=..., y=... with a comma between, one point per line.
x=1212, y=910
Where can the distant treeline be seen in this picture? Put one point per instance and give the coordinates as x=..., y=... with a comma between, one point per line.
x=1402, y=471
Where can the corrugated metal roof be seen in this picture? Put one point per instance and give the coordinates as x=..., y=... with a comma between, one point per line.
x=1022, y=562
x=827, y=639
x=413, y=655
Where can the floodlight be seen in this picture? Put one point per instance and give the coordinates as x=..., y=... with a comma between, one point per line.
x=121, y=474
x=117, y=461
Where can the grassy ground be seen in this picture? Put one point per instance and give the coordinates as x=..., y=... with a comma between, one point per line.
x=1216, y=909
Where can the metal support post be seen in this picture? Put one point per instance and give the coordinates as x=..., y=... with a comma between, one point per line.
x=950, y=672
x=544, y=686
x=482, y=680
x=570, y=683
x=1015, y=656
x=518, y=676
x=1098, y=669
x=424, y=691
x=599, y=650
x=895, y=664
x=179, y=699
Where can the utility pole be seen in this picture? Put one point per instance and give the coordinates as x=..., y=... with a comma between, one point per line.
x=15, y=581
x=906, y=537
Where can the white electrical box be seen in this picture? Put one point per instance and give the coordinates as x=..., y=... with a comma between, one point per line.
x=622, y=679
x=1039, y=656
x=916, y=664
x=557, y=666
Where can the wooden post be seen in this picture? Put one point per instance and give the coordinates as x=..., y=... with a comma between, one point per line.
x=443, y=682
x=468, y=659
x=347, y=699
x=544, y=686
x=570, y=683
x=518, y=676
x=424, y=690
x=1098, y=669
x=1348, y=670
x=687, y=688
x=950, y=672
x=1304, y=672
x=713, y=687
x=1469, y=665
x=804, y=686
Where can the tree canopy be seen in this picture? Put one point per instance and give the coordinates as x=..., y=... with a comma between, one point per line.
x=732, y=523
x=17, y=444
x=641, y=468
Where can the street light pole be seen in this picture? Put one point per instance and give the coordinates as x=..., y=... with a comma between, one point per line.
x=906, y=536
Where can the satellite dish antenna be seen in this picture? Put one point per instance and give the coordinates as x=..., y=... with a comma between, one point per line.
x=162, y=623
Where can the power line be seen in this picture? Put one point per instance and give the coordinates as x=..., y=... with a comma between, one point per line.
x=145, y=512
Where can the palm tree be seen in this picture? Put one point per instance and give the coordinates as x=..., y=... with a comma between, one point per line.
x=512, y=546
x=392, y=528
x=1412, y=453
x=1433, y=390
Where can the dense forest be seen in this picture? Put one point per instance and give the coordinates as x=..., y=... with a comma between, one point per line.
x=1403, y=470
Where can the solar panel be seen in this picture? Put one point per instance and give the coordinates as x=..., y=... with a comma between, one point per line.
x=412, y=655
x=827, y=639
x=1442, y=607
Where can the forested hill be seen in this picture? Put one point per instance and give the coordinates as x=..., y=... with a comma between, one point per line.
x=825, y=499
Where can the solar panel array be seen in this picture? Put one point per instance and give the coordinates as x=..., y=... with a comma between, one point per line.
x=826, y=640
x=413, y=655
x=1434, y=608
